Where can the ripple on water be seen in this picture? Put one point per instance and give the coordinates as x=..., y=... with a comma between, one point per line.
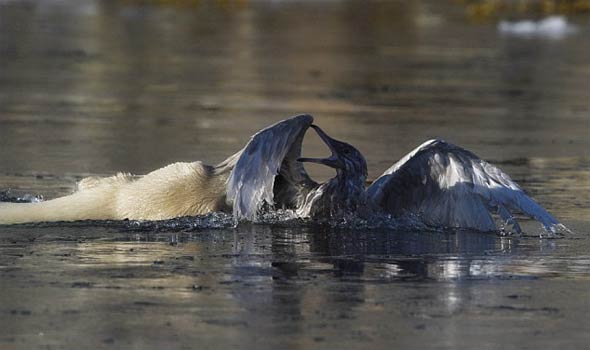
x=280, y=217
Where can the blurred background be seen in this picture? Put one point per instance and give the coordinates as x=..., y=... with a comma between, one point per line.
x=92, y=87
x=95, y=87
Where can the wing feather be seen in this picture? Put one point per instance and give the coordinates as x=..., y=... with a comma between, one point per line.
x=449, y=186
x=270, y=151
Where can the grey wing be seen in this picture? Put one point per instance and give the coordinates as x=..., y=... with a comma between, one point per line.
x=270, y=152
x=449, y=186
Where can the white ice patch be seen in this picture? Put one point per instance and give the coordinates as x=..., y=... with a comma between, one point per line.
x=553, y=27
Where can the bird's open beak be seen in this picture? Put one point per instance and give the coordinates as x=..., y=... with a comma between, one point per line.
x=333, y=161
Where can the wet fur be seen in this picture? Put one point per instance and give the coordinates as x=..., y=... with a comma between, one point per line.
x=179, y=189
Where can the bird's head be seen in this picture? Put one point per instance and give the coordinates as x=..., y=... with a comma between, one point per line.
x=346, y=159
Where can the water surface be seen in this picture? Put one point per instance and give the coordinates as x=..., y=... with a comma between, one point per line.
x=95, y=87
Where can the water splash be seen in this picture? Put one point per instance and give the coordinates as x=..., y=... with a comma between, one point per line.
x=278, y=217
x=215, y=220
x=348, y=221
x=6, y=196
x=219, y=220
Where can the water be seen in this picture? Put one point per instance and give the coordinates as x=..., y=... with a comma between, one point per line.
x=96, y=87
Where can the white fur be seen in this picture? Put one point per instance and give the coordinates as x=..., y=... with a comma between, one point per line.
x=179, y=189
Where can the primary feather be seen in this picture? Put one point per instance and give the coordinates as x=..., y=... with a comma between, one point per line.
x=270, y=158
x=446, y=185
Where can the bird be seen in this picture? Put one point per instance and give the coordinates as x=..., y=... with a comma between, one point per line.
x=269, y=173
x=442, y=184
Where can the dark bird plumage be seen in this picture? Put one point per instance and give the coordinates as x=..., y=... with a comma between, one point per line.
x=442, y=184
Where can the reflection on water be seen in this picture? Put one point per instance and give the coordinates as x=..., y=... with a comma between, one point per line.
x=94, y=87
x=295, y=287
x=370, y=255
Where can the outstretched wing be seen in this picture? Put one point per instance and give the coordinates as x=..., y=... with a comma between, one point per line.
x=449, y=186
x=272, y=151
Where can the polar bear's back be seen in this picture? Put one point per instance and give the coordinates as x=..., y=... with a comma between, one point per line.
x=179, y=189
